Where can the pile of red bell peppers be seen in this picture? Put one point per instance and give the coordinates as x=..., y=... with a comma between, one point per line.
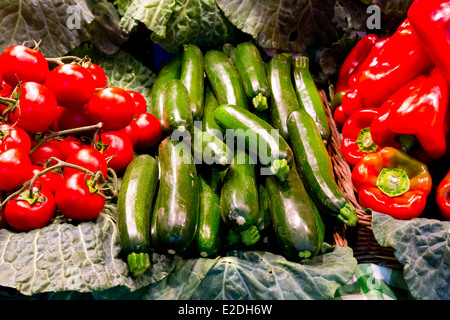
x=392, y=98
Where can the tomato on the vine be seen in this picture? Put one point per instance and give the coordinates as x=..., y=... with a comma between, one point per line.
x=72, y=84
x=25, y=213
x=15, y=168
x=88, y=158
x=140, y=102
x=98, y=74
x=112, y=106
x=78, y=198
x=71, y=144
x=132, y=132
x=116, y=148
x=49, y=180
x=24, y=64
x=14, y=137
x=36, y=107
x=70, y=118
x=50, y=148
x=150, y=130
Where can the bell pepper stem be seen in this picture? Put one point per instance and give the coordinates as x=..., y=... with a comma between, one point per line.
x=280, y=168
x=138, y=263
x=365, y=142
x=250, y=236
x=347, y=215
x=393, y=181
x=260, y=102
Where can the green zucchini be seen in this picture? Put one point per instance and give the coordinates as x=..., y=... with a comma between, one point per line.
x=308, y=96
x=224, y=79
x=265, y=219
x=177, y=113
x=298, y=226
x=209, y=124
x=239, y=204
x=134, y=207
x=315, y=167
x=283, y=97
x=176, y=211
x=172, y=70
x=211, y=151
x=258, y=136
x=192, y=76
x=251, y=68
x=209, y=226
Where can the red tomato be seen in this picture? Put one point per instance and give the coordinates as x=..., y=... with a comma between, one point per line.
x=70, y=119
x=36, y=109
x=140, y=102
x=14, y=137
x=132, y=131
x=24, y=214
x=15, y=168
x=70, y=144
x=76, y=201
x=72, y=85
x=118, y=150
x=50, y=148
x=150, y=131
x=23, y=63
x=86, y=157
x=5, y=89
x=98, y=74
x=49, y=180
x=114, y=107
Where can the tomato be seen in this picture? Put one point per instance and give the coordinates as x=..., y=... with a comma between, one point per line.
x=25, y=214
x=5, y=89
x=70, y=144
x=36, y=109
x=118, y=149
x=15, y=168
x=14, y=137
x=132, y=131
x=49, y=180
x=70, y=118
x=23, y=63
x=89, y=158
x=140, y=102
x=72, y=85
x=98, y=74
x=150, y=130
x=50, y=148
x=78, y=201
x=114, y=107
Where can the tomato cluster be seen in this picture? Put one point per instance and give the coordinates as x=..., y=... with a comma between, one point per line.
x=62, y=131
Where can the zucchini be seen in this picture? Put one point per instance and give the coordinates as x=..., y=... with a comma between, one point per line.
x=134, y=207
x=211, y=151
x=258, y=136
x=315, y=167
x=298, y=226
x=172, y=70
x=251, y=68
x=209, y=226
x=239, y=204
x=177, y=113
x=224, y=79
x=283, y=97
x=192, y=76
x=176, y=211
x=265, y=219
x=308, y=96
x=209, y=124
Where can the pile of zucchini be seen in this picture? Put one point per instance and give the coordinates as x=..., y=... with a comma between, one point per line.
x=243, y=150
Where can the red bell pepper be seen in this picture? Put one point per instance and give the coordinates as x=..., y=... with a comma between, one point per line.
x=356, y=138
x=431, y=20
x=418, y=113
x=354, y=59
x=443, y=196
x=401, y=59
x=391, y=182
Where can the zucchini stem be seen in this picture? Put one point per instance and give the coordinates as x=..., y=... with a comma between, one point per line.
x=348, y=215
x=138, y=263
x=260, y=102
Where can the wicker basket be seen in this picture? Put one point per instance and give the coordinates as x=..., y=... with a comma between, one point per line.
x=361, y=239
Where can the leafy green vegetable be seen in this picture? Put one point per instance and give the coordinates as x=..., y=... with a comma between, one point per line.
x=59, y=25
x=293, y=25
x=397, y=8
x=423, y=246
